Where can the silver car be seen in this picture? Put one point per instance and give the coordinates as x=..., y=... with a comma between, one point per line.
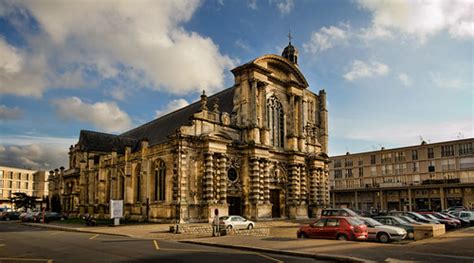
x=383, y=233
x=235, y=222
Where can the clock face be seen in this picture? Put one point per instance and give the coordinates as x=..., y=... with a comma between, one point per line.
x=232, y=175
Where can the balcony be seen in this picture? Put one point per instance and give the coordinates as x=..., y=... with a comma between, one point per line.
x=383, y=185
x=441, y=181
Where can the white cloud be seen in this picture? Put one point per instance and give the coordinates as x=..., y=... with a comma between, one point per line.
x=252, y=4
x=284, y=6
x=7, y=113
x=241, y=44
x=43, y=153
x=172, y=106
x=402, y=134
x=448, y=83
x=423, y=18
x=144, y=38
x=360, y=69
x=106, y=116
x=405, y=79
x=119, y=93
x=325, y=38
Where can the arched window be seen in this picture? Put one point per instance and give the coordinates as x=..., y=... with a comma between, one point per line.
x=160, y=175
x=275, y=121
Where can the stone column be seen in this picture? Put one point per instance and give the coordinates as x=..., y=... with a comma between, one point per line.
x=223, y=179
x=261, y=183
x=313, y=188
x=266, y=192
x=208, y=176
x=217, y=178
x=303, y=185
x=254, y=180
x=292, y=116
x=294, y=185
x=356, y=199
x=184, y=176
x=442, y=197
x=382, y=207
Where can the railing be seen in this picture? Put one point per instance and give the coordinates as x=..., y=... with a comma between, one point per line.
x=441, y=181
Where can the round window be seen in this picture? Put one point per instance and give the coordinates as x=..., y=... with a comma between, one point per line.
x=232, y=174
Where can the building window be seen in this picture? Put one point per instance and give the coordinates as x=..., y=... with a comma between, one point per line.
x=337, y=163
x=1, y=183
x=431, y=166
x=275, y=121
x=348, y=162
x=348, y=173
x=386, y=157
x=160, y=176
x=400, y=156
x=373, y=171
x=232, y=175
x=465, y=148
x=430, y=152
x=337, y=174
x=18, y=185
x=361, y=162
x=448, y=164
x=10, y=184
x=1, y=174
x=361, y=172
x=466, y=163
x=416, y=167
x=414, y=155
x=372, y=159
x=447, y=150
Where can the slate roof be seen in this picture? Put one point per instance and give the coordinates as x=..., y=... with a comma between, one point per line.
x=158, y=130
x=104, y=142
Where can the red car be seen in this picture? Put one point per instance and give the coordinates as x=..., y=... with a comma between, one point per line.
x=340, y=228
x=449, y=223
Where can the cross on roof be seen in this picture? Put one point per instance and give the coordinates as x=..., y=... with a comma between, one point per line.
x=289, y=36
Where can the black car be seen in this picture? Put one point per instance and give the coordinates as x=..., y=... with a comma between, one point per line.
x=420, y=218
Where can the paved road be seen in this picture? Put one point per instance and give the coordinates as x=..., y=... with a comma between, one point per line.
x=20, y=243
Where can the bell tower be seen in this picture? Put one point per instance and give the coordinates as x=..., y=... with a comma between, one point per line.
x=290, y=52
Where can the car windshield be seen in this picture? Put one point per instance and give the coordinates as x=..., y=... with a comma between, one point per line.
x=408, y=219
x=400, y=220
x=372, y=222
x=438, y=215
x=223, y=218
x=354, y=221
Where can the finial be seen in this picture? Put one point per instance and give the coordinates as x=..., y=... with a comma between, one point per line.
x=203, y=101
x=289, y=36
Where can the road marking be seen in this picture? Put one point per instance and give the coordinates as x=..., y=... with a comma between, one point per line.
x=94, y=236
x=268, y=257
x=55, y=233
x=156, y=245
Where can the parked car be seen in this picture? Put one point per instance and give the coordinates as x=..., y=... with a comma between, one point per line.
x=397, y=222
x=51, y=216
x=464, y=222
x=455, y=209
x=383, y=233
x=235, y=222
x=410, y=220
x=465, y=215
x=330, y=212
x=340, y=228
x=26, y=216
x=9, y=215
x=420, y=218
x=448, y=223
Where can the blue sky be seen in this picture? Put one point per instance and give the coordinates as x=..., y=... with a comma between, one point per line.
x=394, y=70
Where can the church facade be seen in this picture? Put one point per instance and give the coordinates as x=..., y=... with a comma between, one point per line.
x=257, y=149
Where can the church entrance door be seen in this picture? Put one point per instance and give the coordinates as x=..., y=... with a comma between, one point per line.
x=235, y=205
x=275, y=200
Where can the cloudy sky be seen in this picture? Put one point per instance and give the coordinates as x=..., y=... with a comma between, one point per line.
x=394, y=71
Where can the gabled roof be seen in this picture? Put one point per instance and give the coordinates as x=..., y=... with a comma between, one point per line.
x=105, y=142
x=158, y=130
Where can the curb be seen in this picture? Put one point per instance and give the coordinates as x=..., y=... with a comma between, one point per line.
x=71, y=229
x=283, y=252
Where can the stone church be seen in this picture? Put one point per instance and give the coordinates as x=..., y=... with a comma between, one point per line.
x=257, y=149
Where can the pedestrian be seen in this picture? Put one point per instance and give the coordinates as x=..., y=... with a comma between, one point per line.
x=215, y=224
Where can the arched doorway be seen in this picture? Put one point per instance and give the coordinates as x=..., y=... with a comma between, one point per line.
x=278, y=181
x=234, y=192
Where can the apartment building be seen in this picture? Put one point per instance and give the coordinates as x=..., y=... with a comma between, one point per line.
x=430, y=176
x=13, y=180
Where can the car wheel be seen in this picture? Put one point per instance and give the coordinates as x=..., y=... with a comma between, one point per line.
x=411, y=235
x=250, y=227
x=303, y=235
x=383, y=238
x=8, y=219
x=342, y=237
x=229, y=227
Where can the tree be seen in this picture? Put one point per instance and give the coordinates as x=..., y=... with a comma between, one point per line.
x=23, y=200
